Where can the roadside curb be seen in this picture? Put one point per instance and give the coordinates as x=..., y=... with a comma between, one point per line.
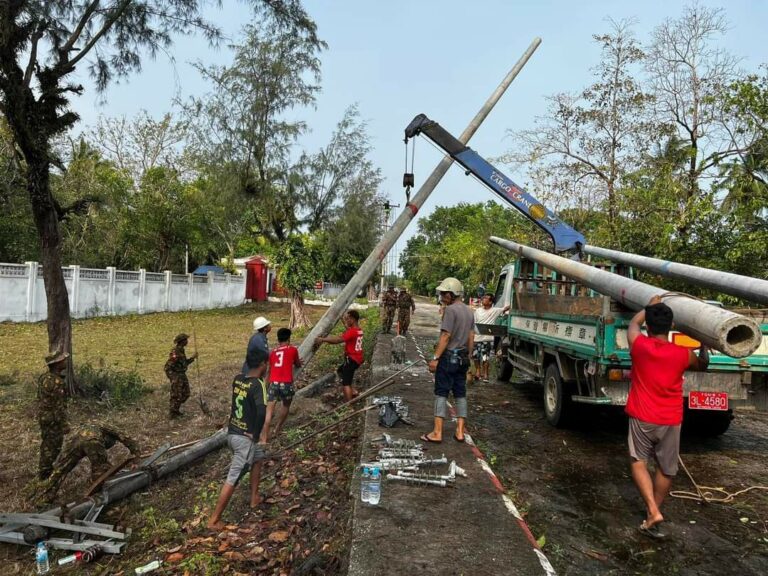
x=508, y=503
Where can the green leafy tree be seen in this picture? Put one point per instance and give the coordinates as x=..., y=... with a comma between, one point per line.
x=18, y=241
x=587, y=143
x=241, y=125
x=337, y=171
x=42, y=44
x=687, y=74
x=453, y=241
x=296, y=259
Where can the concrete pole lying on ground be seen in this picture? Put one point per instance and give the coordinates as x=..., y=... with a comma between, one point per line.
x=131, y=484
x=371, y=264
x=752, y=289
x=721, y=329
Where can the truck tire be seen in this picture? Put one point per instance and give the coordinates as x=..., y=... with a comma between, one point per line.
x=708, y=424
x=557, y=401
x=503, y=367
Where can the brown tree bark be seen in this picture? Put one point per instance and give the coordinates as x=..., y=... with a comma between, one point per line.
x=299, y=318
x=47, y=223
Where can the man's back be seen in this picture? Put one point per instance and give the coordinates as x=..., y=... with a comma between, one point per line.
x=656, y=393
x=459, y=321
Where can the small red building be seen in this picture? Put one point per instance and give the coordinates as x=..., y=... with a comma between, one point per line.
x=257, y=279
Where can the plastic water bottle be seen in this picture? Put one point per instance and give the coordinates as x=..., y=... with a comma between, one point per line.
x=375, y=489
x=41, y=559
x=365, y=485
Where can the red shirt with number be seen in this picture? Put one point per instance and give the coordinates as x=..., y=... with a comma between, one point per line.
x=353, y=343
x=281, y=362
x=656, y=392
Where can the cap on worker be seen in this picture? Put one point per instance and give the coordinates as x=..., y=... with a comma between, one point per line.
x=451, y=285
x=56, y=357
x=180, y=338
x=260, y=323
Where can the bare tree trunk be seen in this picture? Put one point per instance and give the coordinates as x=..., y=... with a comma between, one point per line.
x=299, y=317
x=47, y=224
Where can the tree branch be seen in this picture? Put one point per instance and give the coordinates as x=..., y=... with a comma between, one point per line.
x=32, y=57
x=114, y=17
x=64, y=50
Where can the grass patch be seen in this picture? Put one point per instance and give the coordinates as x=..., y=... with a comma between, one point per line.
x=115, y=388
x=202, y=563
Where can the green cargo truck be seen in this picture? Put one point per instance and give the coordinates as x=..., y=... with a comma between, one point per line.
x=573, y=341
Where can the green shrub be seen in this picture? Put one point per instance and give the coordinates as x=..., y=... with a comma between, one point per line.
x=116, y=388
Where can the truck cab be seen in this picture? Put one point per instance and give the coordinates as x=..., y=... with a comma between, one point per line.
x=573, y=341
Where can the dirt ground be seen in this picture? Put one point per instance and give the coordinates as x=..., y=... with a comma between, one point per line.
x=300, y=529
x=577, y=492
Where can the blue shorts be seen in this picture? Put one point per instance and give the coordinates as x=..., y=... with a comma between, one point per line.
x=451, y=374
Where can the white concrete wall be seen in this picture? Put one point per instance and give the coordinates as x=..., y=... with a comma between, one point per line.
x=97, y=292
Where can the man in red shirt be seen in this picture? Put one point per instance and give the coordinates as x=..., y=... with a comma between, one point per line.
x=352, y=339
x=655, y=405
x=281, y=362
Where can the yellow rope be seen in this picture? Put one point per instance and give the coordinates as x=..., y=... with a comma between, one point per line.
x=708, y=493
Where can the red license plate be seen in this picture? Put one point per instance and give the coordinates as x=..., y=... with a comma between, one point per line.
x=708, y=400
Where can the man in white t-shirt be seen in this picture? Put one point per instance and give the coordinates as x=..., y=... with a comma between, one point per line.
x=481, y=354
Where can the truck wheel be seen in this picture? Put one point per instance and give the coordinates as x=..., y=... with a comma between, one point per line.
x=557, y=402
x=709, y=424
x=503, y=368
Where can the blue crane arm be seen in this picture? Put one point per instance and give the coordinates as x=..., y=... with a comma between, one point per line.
x=563, y=236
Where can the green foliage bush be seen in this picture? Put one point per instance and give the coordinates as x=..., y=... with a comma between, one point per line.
x=117, y=388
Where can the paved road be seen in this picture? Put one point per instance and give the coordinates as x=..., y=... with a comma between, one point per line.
x=469, y=529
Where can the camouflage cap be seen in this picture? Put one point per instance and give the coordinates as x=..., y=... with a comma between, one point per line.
x=180, y=338
x=56, y=357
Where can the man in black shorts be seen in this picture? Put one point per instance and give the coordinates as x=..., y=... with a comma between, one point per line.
x=352, y=339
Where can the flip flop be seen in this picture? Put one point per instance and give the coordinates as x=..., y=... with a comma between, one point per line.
x=652, y=531
x=461, y=440
x=425, y=438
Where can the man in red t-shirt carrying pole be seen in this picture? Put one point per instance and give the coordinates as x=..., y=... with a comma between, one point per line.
x=352, y=339
x=281, y=362
x=655, y=405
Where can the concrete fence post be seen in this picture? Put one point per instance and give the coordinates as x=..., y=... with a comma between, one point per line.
x=142, y=289
x=112, y=275
x=75, y=296
x=167, y=299
x=228, y=284
x=210, y=289
x=190, y=288
x=29, y=309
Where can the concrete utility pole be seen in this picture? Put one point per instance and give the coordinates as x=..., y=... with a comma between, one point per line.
x=731, y=333
x=746, y=287
x=368, y=268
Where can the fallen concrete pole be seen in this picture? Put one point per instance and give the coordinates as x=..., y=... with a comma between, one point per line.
x=372, y=263
x=723, y=330
x=752, y=289
x=131, y=484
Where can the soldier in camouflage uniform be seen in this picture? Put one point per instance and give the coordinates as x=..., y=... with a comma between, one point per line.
x=388, y=306
x=52, y=412
x=176, y=370
x=405, y=305
x=89, y=441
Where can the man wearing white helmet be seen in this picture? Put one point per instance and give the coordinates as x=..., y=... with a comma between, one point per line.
x=451, y=360
x=261, y=327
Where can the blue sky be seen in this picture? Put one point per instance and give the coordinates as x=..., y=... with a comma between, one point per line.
x=398, y=58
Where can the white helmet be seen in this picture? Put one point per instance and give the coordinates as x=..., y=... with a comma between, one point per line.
x=260, y=323
x=451, y=285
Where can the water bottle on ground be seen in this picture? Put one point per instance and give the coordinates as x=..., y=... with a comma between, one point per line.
x=41, y=559
x=375, y=489
x=365, y=485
